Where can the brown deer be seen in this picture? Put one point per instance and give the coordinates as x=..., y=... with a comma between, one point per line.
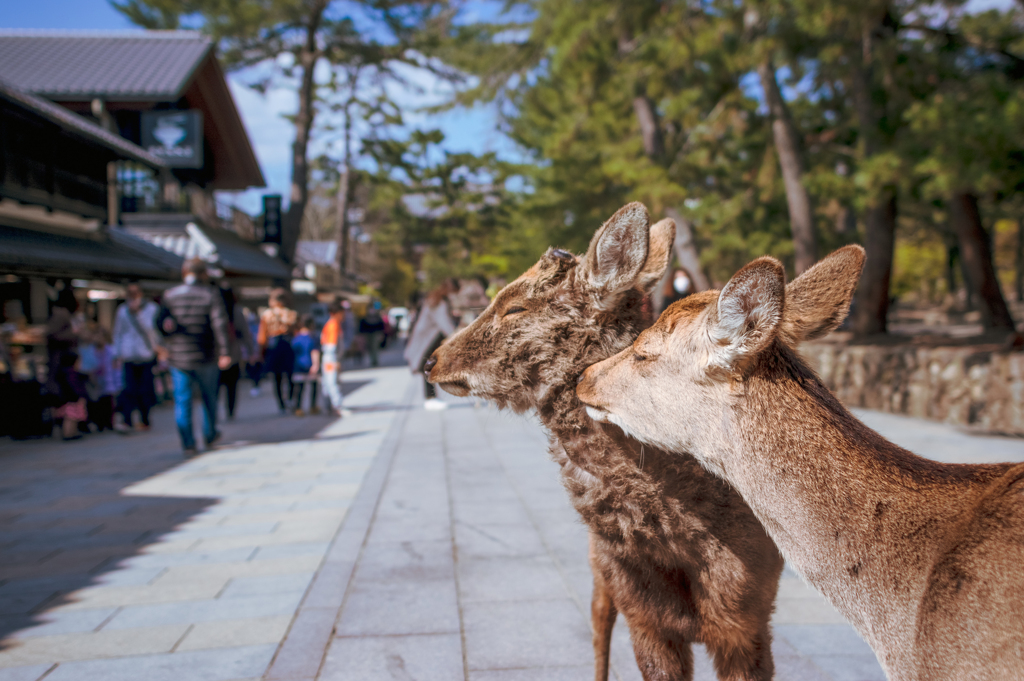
x=671, y=547
x=925, y=559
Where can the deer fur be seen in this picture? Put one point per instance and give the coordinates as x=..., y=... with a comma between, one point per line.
x=925, y=559
x=671, y=547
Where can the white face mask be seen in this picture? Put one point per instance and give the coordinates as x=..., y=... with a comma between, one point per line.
x=190, y=279
x=681, y=284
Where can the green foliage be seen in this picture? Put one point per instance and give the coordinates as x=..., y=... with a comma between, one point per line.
x=919, y=266
x=398, y=283
x=942, y=111
x=946, y=111
x=448, y=212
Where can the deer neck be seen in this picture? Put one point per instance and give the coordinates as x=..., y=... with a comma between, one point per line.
x=861, y=519
x=559, y=409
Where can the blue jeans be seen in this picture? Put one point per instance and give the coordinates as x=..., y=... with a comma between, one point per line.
x=207, y=377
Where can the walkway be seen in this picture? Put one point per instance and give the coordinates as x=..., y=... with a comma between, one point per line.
x=397, y=544
x=120, y=560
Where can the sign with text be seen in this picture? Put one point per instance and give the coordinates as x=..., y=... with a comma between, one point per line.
x=272, y=219
x=175, y=137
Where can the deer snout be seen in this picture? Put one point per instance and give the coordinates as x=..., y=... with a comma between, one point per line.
x=589, y=393
x=585, y=387
x=430, y=364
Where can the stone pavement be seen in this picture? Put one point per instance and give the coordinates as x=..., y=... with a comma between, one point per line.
x=396, y=544
x=120, y=560
x=474, y=566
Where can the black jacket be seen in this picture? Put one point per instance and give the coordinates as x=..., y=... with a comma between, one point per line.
x=196, y=314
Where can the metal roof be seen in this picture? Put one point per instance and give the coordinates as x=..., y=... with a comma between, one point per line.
x=114, y=65
x=78, y=125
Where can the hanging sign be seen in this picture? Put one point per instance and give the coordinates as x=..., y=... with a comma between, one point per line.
x=175, y=137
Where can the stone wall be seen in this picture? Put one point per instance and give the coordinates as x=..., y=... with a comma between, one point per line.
x=980, y=386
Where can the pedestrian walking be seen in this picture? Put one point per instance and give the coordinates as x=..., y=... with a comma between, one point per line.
x=61, y=334
x=195, y=324
x=72, y=395
x=103, y=373
x=348, y=327
x=433, y=324
x=678, y=287
x=240, y=345
x=137, y=345
x=332, y=347
x=372, y=328
x=306, y=347
x=277, y=324
x=254, y=362
x=64, y=382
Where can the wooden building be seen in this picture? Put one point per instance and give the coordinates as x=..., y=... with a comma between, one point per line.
x=166, y=92
x=54, y=208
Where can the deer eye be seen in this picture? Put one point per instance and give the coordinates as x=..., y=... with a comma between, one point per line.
x=637, y=357
x=513, y=310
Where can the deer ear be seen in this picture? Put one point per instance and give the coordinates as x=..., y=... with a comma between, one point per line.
x=618, y=251
x=748, y=312
x=819, y=299
x=659, y=254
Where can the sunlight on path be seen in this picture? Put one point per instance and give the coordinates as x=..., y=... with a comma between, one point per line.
x=213, y=597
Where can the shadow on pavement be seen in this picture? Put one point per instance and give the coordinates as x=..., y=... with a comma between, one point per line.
x=66, y=522
x=343, y=436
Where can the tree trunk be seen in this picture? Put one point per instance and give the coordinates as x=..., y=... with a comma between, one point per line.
x=299, y=194
x=952, y=256
x=345, y=189
x=787, y=145
x=654, y=143
x=341, y=220
x=1018, y=280
x=654, y=148
x=871, y=304
x=976, y=255
x=871, y=307
x=686, y=249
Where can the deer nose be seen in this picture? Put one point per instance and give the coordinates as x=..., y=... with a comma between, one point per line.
x=431, y=363
x=579, y=379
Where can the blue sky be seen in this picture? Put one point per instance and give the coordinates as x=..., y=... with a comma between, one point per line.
x=474, y=130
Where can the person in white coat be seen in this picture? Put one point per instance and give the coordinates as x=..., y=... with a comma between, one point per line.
x=432, y=326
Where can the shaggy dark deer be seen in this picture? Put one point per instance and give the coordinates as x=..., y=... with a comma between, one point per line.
x=925, y=559
x=673, y=548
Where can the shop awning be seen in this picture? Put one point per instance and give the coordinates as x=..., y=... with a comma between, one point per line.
x=107, y=254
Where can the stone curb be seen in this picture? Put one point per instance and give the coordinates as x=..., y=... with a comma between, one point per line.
x=301, y=654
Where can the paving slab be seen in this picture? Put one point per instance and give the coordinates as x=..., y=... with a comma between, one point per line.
x=436, y=657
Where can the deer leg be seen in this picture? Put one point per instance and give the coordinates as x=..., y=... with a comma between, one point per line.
x=602, y=616
x=747, y=660
x=661, y=658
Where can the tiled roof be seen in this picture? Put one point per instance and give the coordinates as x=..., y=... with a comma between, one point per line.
x=114, y=65
x=78, y=125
